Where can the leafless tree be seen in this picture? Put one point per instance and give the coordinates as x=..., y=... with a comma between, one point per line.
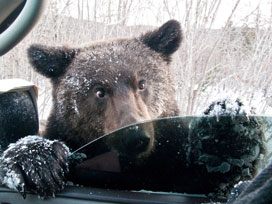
x=235, y=58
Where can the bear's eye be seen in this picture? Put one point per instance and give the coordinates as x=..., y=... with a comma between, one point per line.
x=141, y=85
x=100, y=93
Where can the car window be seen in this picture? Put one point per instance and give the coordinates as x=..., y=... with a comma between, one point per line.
x=111, y=162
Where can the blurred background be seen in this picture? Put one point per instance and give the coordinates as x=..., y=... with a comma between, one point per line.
x=226, y=50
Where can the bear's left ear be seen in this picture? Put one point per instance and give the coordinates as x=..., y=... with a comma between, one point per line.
x=51, y=62
x=166, y=39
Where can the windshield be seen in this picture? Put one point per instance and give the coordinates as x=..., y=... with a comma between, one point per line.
x=110, y=162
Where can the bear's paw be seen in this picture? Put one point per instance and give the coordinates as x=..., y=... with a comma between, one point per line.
x=35, y=164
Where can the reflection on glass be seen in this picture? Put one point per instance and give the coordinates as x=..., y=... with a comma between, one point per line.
x=179, y=154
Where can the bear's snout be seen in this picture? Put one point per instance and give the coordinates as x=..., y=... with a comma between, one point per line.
x=134, y=141
x=124, y=109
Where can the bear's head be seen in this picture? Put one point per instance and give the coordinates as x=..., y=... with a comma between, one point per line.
x=110, y=84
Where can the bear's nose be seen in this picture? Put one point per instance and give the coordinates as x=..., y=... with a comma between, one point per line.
x=135, y=141
x=131, y=141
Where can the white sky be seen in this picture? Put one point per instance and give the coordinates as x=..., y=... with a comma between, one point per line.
x=153, y=12
x=245, y=8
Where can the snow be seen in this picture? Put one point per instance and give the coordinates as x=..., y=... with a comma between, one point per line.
x=229, y=107
x=25, y=153
x=75, y=107
x=73, y=82
x=29, y=140
x=254, y=100
x=12, y=180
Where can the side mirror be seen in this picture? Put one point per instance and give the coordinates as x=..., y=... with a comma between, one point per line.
x=18, y=110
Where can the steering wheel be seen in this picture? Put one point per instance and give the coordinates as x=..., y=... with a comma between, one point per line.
x=17, y=17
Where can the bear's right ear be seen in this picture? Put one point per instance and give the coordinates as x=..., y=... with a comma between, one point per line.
x=50, y=61
x=166, y=39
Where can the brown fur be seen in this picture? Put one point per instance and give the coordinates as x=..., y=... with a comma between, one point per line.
x=115, y=67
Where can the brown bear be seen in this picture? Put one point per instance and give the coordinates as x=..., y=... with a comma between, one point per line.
x=99, y=88
x=107, y=85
